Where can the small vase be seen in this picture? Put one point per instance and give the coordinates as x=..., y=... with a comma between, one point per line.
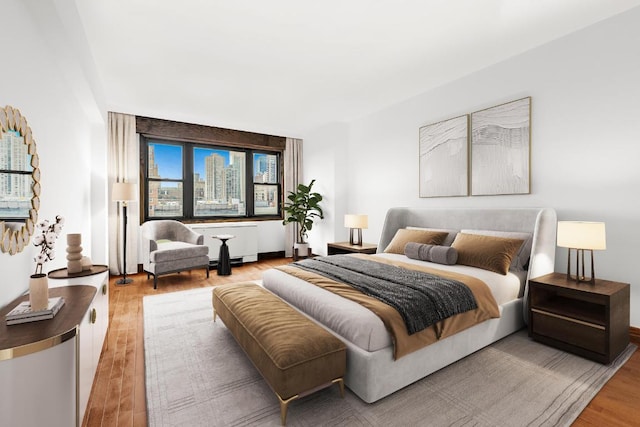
x=74, y=253
x=38, y=292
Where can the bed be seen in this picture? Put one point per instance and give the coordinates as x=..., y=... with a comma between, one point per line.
x=372, y=370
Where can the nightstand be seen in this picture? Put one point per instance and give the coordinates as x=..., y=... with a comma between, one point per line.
x=590, y=320
x=346, y=248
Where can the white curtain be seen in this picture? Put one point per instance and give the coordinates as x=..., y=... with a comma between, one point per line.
x=292, y=177
x=123, y=166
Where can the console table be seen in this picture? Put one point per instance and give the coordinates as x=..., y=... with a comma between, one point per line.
x=41, y=363
x=93, y=327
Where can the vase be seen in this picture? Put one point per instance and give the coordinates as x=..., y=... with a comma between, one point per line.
x=38, y=292
x=74, y=253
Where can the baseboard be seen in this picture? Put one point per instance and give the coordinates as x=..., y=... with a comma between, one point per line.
x=634, y=334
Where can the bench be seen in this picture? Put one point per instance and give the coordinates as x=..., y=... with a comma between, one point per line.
x=294, y=355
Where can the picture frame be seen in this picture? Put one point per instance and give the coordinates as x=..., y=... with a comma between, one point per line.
x=501, y=149
x=444, y=158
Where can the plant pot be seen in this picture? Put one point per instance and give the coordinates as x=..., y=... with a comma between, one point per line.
x=38, y=292
x=302, y=249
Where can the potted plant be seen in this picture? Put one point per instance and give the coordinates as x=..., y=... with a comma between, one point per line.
x=302, y=207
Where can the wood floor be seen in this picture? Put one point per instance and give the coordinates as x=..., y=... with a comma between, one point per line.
x=118, y=395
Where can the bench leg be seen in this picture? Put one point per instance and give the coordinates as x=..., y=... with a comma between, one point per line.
x=284, y=404
x=340, y=382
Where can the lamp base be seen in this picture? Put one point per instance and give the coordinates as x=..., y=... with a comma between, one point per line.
x=355, y=241
x=580, y=277
x=124, y=281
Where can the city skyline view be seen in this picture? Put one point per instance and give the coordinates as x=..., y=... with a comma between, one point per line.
x=218, y=181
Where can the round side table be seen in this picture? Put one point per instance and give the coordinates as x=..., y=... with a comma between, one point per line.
x=224, y=261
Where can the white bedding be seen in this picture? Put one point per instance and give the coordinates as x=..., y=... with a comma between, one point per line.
x=354, y=322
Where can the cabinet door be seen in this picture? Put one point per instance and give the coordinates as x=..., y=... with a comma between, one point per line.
x=87, y=365
x=39, y=389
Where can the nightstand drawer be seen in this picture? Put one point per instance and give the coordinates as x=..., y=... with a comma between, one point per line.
x=570, y=331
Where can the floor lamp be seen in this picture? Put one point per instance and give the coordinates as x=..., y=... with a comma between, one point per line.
x=124, y=192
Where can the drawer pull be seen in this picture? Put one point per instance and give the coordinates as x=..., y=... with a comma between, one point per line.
x=104, y=289
x=93, y=316
x=568, y=319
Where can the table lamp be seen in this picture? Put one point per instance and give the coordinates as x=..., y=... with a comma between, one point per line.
x=581, y=236
x=356, y=222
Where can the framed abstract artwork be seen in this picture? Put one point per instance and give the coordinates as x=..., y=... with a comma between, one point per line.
x=444, y=158
x=500, y=149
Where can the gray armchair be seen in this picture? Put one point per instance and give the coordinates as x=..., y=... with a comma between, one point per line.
x=169, y=246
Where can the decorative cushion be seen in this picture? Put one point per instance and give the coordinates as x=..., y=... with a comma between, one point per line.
x=438, y=254
x=486, y=252
x=451, y=233
x=171, y=251
x=521, y=260
x=404, y=236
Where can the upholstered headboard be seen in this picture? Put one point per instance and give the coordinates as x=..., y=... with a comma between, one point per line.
x=539, y=221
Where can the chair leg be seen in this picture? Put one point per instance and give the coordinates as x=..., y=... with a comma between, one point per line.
x=155, y=282
x=207, y=269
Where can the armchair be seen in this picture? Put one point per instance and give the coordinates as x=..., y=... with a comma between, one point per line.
x=168, y=246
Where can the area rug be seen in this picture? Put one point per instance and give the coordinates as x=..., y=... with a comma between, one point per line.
x=197, y=375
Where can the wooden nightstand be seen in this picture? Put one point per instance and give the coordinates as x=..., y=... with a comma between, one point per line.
x=346, y=248
x=591, y=320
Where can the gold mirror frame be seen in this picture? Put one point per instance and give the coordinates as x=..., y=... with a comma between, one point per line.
x=16, y=235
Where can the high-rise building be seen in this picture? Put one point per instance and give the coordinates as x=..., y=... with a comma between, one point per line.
x=214, y=177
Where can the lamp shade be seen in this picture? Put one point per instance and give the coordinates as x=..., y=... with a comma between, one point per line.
x=356, y=221
x=123, y=191
x=581, y=235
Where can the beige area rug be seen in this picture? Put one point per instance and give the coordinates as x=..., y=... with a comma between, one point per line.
x=196, y=375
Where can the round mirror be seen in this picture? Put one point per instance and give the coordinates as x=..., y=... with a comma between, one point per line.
x=19, y=181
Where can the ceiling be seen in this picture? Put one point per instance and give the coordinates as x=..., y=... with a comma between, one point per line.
x=285, y=67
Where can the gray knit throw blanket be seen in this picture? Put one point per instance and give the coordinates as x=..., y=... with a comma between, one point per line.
x=422, y=299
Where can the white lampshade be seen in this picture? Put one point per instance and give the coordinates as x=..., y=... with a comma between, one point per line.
x=356, y=221
x=581, y=235
x=123, y=191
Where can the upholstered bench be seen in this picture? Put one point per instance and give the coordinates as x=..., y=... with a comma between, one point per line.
x=294, y=355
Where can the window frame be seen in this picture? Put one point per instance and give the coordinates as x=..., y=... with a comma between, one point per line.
x=188, y=175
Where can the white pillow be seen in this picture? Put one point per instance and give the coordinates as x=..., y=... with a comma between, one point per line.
x=520, y=260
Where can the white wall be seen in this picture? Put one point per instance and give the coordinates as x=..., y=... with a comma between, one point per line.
x=324, y=156
x=585, y=141
x=66, y=129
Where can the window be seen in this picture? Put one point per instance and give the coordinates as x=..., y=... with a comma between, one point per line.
x=266, y=187
x=190, y=181
x=15, y=177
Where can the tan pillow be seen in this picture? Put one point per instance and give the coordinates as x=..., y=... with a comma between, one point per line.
x=487, y=252
x=404, y=236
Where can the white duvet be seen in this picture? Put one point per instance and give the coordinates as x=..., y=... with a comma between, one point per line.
x=358, y=324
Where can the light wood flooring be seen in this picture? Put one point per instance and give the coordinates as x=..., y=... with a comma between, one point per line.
x=118, y=395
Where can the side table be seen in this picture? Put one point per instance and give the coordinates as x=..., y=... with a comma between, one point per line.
x=224, y=261
x=347, y=248
x=588, y=319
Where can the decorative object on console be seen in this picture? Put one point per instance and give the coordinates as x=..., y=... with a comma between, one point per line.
x=444, y=158
x=581, y=236
x=23, y=312
x=38, y=282
x=86, y=263
x=124, y=192
x=302, y=208
x=356, y=223
x=500, y=149
x=74, y=252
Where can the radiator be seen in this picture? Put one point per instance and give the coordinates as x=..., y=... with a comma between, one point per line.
x=242, y=248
